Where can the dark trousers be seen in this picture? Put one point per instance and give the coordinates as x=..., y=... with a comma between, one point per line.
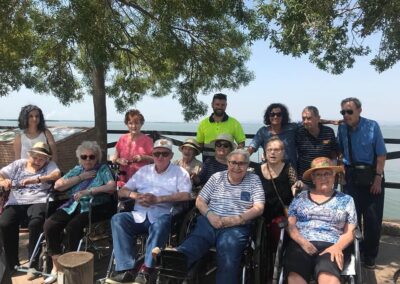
x=10, y=221
x=369, y=213
x=73, y=226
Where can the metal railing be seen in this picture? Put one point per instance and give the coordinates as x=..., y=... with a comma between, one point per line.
x=167, y=134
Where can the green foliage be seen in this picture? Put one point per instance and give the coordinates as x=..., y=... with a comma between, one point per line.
x=332, y=32
x=154, y=48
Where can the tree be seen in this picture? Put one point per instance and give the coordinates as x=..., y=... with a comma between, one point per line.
x=332, y=32
x=124, y=49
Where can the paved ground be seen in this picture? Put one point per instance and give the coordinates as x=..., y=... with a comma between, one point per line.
x=387, y=262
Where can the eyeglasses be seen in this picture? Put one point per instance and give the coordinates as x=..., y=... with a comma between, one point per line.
x=269, y=150
x=220, y=144
x=348, y=111
x=277, y=114
x=323, y=175
x=236, y=163
x=159, y=154
x=86, y=157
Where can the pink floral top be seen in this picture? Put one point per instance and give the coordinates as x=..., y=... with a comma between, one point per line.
x=127, y=149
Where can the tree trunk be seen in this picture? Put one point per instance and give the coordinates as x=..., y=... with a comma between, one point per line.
x=100, y=108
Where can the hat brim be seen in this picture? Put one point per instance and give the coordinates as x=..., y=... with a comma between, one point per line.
x=197, y=150
x=336, y=169
x=39, y=152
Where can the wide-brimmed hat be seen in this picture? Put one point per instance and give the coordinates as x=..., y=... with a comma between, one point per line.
x=225, y=137
x=41, y=148
x=163, y=143
x=322, y=163
x=192, y=143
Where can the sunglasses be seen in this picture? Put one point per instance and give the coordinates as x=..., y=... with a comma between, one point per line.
x=86, y=157
x=220, y=144
x=159, y=154
x=277, y=114
x=348, y=111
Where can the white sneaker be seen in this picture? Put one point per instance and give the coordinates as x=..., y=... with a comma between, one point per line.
x=50, y=279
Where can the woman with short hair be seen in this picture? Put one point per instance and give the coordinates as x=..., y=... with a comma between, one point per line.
x=88, y=179
x=28, y=182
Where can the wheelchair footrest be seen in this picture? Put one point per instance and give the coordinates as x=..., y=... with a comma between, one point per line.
x=173, y=263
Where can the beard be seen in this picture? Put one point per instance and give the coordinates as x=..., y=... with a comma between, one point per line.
x=219, y=112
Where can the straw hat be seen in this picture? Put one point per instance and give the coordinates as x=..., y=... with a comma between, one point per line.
x=322, y=163
x=225, y=137
x=41, y=148
x=192, y=143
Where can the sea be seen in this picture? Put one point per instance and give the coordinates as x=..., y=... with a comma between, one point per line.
x=392, y=168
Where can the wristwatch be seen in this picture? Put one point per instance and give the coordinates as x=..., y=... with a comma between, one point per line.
x=378, y=174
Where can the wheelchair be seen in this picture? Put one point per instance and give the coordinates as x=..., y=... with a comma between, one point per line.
x=172, y=266
x=351, y=273
x=177, y=212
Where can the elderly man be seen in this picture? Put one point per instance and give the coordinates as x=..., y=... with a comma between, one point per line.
x=364, y=154
x=217, y=123
x=228, y=203
x=313, y=140
x=155, y=188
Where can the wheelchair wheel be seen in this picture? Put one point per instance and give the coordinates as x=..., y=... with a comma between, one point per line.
x=358, y=263
x=260, y=256
x=188, y=224
x=45, y=261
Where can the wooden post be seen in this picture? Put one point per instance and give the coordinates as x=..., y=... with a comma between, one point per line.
x=76, y=268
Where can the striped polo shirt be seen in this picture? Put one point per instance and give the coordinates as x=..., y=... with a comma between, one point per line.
x=226, y=199
x=310, y=147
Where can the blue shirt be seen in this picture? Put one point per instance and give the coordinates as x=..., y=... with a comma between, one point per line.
x=287, y=135
x=323, y=222
x=366, y=142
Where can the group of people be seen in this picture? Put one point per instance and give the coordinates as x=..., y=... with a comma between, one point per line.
x=297, y=180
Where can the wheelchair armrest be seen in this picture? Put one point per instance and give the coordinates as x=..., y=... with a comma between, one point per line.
x=283, y=223
x=358, y=234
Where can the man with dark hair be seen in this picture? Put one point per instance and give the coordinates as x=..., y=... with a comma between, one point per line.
x=218, y=123
x=313, y=140
x=364, y=154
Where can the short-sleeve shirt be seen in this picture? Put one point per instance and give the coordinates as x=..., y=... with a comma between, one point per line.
x=287, y=135
x=126, y=148
x=226, y=199
x=31, y=193
x=146, y=180
x=323, y=222
x=210, y=167
x=103, y=176
x=366, y=142
x=193, y=168
x=208, y=130
x=310, y=147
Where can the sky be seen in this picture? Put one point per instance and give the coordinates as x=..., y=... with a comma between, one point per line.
x=292, y=81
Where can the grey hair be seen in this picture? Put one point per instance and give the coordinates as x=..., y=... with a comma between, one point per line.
x=356, y=101
x=312, y=109
x=242, y=152
x=89, y=145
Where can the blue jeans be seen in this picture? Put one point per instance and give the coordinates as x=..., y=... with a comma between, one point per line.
x=229, y=244
x=124, y=232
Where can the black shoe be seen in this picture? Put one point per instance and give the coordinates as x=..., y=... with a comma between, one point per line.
x=121, y=277
x=142, y=278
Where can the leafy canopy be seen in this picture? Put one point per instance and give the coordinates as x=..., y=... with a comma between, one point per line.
x=332, y=32
x=141, y=47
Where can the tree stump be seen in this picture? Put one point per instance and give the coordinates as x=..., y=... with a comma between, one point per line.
x=76, y=268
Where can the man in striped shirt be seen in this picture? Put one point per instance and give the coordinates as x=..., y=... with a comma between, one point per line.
x=313, y=140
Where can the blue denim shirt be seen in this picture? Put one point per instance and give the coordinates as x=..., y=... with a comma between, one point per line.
x=366, y=142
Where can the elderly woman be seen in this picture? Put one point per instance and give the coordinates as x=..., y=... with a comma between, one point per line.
x=31, y=122
x=28, y=182
x=223, y=146
x=190, y=149
x=321, y=225
x=88, y=179
x=228, y=203
x=133, y=150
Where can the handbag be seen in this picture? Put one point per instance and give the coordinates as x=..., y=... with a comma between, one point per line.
x=361, y=174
